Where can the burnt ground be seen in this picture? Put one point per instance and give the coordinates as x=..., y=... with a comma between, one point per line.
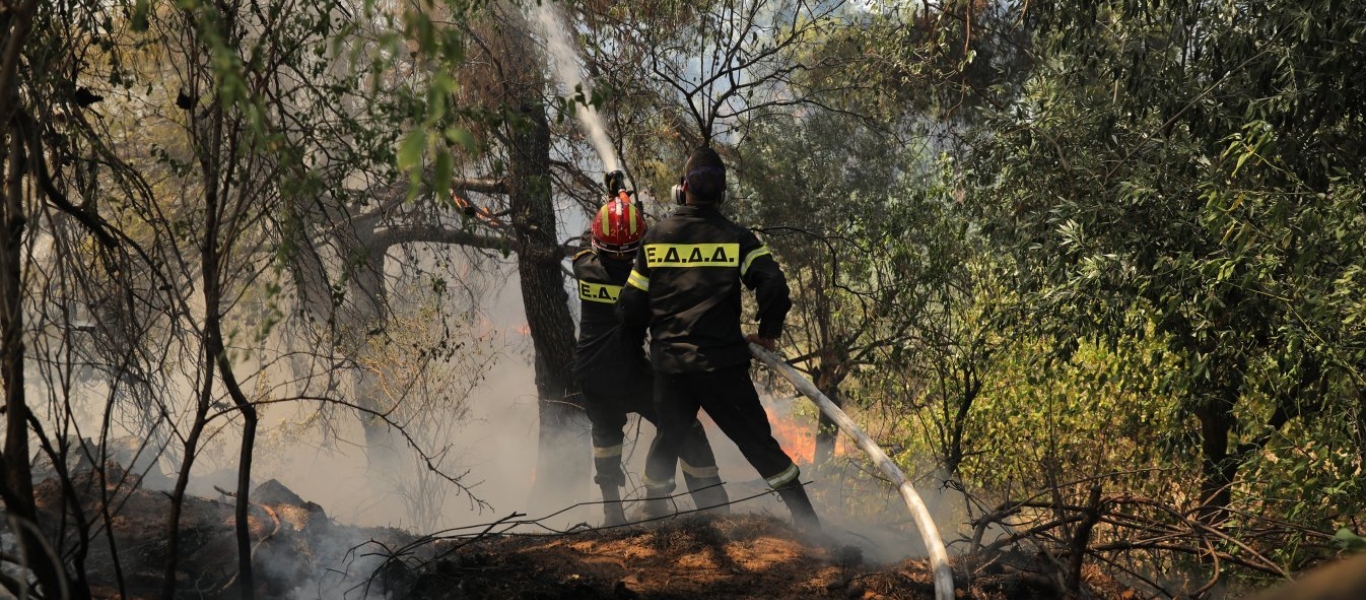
x=741, y=556
x=300, y=553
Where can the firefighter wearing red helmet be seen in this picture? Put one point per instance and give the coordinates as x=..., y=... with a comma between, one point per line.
x=685, y=289
x=617, y=229
x=614, y=377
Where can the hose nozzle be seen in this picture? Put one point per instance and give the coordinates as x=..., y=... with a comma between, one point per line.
x=615, y=182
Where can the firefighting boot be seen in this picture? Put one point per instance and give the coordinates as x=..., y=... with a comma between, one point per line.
x=657, y=503
x=708, y=494
x=612, y=513
x=803, y=514
x=610, y=478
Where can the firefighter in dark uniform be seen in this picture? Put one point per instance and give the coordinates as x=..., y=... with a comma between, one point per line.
x=615, y=377
x=685, y=289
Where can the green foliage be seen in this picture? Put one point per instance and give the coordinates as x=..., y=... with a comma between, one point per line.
x=896, y=60
x=1349, y=541
x=1098, y=413
x=1049, y=241
x=829, y=197
x=1309, y=474
x=1190, y=175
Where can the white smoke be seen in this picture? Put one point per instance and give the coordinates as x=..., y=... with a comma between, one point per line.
x=565, y=65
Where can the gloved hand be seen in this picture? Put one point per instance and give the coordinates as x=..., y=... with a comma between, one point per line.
x=768, y=344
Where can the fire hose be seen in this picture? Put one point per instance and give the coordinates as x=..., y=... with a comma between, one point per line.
x=939, y=558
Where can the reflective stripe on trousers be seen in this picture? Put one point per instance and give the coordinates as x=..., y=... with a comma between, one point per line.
x=606, y=451
x=788, y=475
x=711, y=472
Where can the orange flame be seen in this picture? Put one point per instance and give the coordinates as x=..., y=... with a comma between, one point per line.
x=482, y=213
x=798, y=438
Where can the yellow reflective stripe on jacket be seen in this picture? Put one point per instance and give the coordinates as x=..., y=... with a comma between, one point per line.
x=692, y=255
x=606, y=452
x=760, y=251
x=784, y=478
x=638, y=281
x=598, y=292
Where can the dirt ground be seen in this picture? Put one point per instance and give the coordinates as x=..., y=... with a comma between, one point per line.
x=301, y=554
x=742, y=556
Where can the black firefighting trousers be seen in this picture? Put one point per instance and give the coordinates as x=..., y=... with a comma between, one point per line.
x=609, y=401
x=730, y=400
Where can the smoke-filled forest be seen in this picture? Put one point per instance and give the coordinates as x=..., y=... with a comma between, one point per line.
x=286, y=295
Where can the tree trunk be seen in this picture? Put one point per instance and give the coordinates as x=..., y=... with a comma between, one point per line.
x=1361, y=423
x=18, y=478
x=362, y=315
x=365, y=320
x=958, y=424
x=826, y=430
x=1217, y=465
x=212, y=254
x=16, y=489
x=831, y=369
x=563, y=465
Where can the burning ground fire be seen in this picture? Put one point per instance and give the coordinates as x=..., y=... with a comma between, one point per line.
x=797, y=435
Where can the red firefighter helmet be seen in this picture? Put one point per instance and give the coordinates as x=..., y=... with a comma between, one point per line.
x=618, y=227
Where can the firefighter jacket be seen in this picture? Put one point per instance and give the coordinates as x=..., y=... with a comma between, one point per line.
x=602, y=349
x=685, y=288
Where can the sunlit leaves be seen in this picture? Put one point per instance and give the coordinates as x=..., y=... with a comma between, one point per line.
x=410, y=152
x=1349, y=541
x=1199, y=165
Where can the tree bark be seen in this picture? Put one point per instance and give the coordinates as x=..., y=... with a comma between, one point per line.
x=828, y=375
x=958, y=424
x=1218, y=465
x=367, y=317
x=562, y=466
x=18, y=479
x=17, y=485
x=1361, y=423
x=1081, y=540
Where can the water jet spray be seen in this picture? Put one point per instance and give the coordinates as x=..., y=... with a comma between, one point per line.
x=566, y=71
